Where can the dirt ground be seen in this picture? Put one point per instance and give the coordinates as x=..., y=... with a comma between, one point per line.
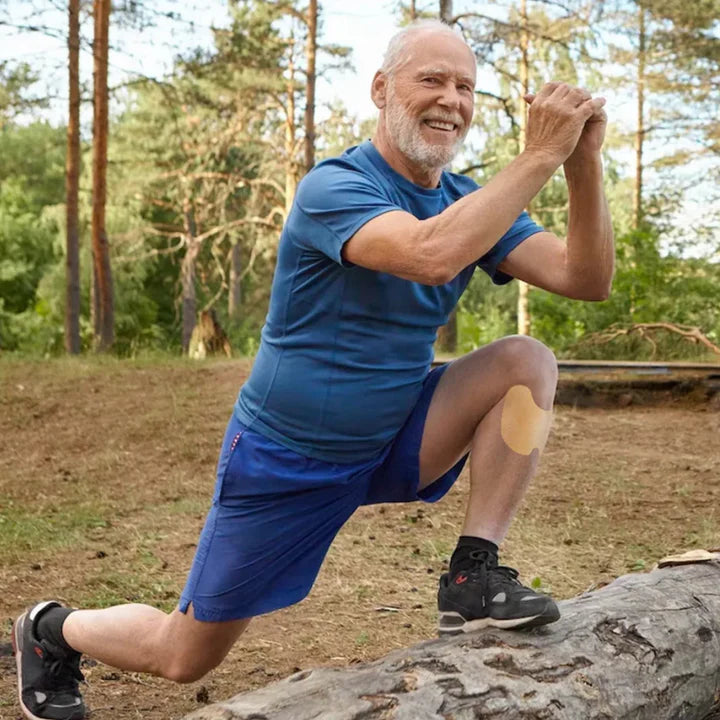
x=107, y=468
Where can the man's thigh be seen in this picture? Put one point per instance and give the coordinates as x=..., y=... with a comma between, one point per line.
x=470, y=387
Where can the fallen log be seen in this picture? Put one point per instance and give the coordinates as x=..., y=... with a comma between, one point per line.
x=645, y=647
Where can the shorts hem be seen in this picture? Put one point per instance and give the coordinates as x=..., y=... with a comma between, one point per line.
x=209, y=614
x=437, y=489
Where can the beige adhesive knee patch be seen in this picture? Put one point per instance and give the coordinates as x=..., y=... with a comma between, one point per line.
x=524, y=426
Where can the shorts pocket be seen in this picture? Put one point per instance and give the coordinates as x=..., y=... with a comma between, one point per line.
x=233, y=435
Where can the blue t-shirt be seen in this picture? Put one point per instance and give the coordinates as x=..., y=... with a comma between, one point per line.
x=344, y=349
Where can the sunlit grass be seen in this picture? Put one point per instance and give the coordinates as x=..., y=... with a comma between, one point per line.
x=24, y=534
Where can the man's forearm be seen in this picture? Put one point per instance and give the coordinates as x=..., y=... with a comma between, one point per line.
x=590, y=246
x=471, y=226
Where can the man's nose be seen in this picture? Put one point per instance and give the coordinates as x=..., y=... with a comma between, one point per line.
x=450, y=96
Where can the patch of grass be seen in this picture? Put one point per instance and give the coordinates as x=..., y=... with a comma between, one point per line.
x=363, y=591
x=117, y=588
x=439, y=550
x=705, y=534
x=538, y=584
x=23, y=532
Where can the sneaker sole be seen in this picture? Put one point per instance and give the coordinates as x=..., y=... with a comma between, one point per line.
x=453, y=623
x=17, y=650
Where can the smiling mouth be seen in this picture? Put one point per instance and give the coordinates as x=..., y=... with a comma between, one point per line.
x=441, y=125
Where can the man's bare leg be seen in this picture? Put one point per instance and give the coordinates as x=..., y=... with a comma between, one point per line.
x=141, y=638
x=48, y=641
x=465, y=416
x=473, y=410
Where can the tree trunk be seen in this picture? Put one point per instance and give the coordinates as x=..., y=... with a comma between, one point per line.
x=446, y=11
x=523, y=302
x=94, y=298
x=72, y=174
x=105, y=329
x=643, y=648
x=311, y=51
x=640, y=131
x=447, y=336
x=235, y=290
x=413, y=11
x=291, y=178
x=187, y=274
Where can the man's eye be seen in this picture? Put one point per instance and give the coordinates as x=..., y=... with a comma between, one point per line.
x=430, y=80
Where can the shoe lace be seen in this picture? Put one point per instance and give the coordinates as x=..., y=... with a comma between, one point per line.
x=485, y=563
x=63, y=669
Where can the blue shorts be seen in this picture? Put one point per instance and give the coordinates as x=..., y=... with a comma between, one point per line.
x=275, y=512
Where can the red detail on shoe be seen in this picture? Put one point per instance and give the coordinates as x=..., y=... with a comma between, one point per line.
x=38, y=651
x=460, y=579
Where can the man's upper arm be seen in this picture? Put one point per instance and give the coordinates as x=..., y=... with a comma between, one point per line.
x=385, y=244
x=541, y=260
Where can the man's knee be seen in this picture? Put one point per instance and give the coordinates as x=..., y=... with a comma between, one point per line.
x=180, y=671
x=528, y=361
x=190, y=650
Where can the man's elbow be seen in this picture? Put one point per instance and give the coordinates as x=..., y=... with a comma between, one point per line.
x=438, y=275
x=597, y=292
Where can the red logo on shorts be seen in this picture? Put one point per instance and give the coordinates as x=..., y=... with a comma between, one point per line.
x=460, y=579
x=38, y=651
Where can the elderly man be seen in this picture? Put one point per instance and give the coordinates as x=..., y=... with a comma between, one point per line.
x=340, y=409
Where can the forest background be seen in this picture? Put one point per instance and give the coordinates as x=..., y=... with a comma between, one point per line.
x=203, y=157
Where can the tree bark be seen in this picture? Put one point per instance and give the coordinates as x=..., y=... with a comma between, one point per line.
x=523, y=301
x=447, y=336
x=187, y=273
x=235, y=282
x=640, y=130
x=291, y=178
x=646, y=647
x=310, y=54
x=72, y=175
x=446, y=11
x=105, y=327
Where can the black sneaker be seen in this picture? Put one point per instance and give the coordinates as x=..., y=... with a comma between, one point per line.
x=48, y=675
x=481, y=593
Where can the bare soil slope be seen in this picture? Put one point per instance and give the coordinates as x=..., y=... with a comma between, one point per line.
x=107, y=468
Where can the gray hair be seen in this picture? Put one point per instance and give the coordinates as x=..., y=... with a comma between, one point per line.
x=397, y=53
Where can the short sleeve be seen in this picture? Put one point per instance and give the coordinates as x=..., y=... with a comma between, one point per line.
x=521, y=229
x=331, y=204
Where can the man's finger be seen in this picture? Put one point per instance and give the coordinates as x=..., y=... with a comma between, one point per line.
x=547, y=89
x=592, y=106
x=528, y=98
x=598, y=116
x=561, y=91
x=579, y=96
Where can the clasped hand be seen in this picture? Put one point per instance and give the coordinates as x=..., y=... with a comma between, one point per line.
x=565, y=122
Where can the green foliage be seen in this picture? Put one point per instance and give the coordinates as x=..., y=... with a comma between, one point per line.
x=648, y=287
x=204, y=154
x=26, y=246
x=486, y=312
x=31, y=183
x=15, y=84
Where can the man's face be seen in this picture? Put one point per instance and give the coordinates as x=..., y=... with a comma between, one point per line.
x=430, y=100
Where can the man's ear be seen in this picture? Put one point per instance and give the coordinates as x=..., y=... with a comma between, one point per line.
x=378, y=89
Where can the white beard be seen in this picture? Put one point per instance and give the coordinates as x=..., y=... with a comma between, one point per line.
x=405, y=130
